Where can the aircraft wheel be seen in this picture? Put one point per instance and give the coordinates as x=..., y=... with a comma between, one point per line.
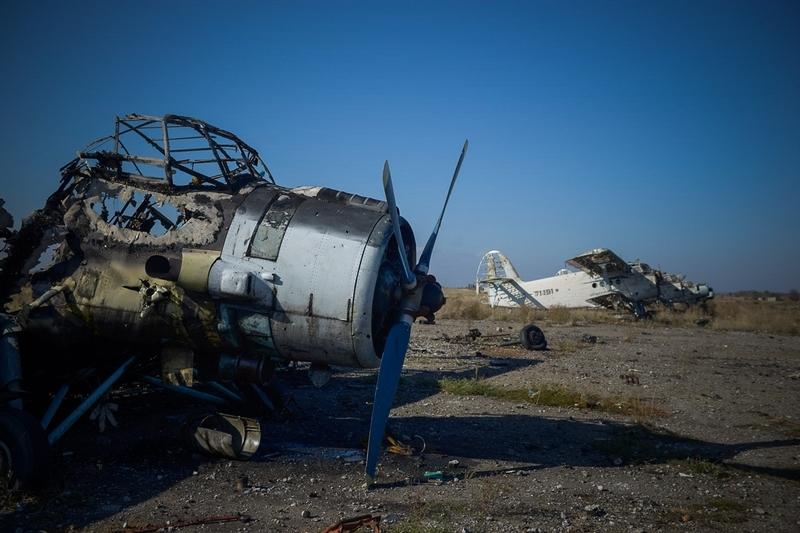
x=24, y=450
x=532, y=338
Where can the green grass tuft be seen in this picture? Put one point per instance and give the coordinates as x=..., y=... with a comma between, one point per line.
x=711, y=512
x=551, y=396
x=703, y=467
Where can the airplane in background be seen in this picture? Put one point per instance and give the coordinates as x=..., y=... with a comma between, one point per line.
x=601, y=279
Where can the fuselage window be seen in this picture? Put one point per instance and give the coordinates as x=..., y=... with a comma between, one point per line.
x=269, y=234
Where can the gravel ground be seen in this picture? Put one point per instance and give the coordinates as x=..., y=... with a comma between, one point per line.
x=724, y=453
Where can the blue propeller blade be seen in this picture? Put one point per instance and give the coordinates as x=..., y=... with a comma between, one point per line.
x=425, y=259
x=409, y=278
x=388, y=377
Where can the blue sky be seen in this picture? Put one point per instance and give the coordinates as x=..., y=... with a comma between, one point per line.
x=668, y=131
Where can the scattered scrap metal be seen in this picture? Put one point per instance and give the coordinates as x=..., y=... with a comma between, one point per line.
x=531, y=337
x=355, y=523
x=172, y=526
x=224, y=435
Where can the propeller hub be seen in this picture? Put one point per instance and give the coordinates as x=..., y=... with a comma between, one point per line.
x=432, y=298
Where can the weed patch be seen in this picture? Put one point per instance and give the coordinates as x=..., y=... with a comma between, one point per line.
x=784, y=425
x=433, y=517
x=703, y=467
x=551, y=396
x=713, y=511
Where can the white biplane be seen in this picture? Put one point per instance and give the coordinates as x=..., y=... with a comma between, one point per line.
x=601, y=279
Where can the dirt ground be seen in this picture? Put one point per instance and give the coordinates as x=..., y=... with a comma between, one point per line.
x=720, y=452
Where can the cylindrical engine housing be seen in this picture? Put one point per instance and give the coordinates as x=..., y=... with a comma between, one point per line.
x=323, y=255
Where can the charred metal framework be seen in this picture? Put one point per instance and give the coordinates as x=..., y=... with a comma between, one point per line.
x=161, y=157
x=172, y=152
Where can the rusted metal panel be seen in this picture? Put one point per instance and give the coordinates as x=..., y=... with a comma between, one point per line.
x=195, y=265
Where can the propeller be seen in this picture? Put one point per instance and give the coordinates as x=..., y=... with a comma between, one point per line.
x=408, y=277
x=422, y=295
x=425, y=259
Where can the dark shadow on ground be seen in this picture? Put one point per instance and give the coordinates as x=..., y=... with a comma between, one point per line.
x=97, y=476
x=532, y=443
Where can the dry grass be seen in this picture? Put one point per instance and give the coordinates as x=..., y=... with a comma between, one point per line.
x=432, y=517
x=730, y=313
x=701, y=466
x=711, y=513
x=736, y=313
x=552, y=396
x=465, y=304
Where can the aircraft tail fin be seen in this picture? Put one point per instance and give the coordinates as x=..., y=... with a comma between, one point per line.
x=494, y=267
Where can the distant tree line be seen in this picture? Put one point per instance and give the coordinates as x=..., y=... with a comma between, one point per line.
x=793, y=295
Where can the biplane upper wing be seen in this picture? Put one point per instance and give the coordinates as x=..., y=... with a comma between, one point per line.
x=600, y=262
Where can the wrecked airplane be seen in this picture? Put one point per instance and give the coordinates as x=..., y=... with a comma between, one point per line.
x=169, y=255
x=601, y=279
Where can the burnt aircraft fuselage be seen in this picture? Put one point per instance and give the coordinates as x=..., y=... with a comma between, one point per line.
x=238, y=271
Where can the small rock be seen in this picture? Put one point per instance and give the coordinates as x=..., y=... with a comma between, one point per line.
x=601, y=488
x=594, y=510
x=305, y=513
x=759, y=510
x=453, y=462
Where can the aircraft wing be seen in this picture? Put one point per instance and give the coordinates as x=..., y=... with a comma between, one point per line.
x=600, y=262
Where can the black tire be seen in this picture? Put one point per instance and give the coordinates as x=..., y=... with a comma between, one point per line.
x=24, y=450
x=532, y=338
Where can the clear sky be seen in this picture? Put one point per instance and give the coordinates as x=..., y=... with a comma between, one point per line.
x=668, y=131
